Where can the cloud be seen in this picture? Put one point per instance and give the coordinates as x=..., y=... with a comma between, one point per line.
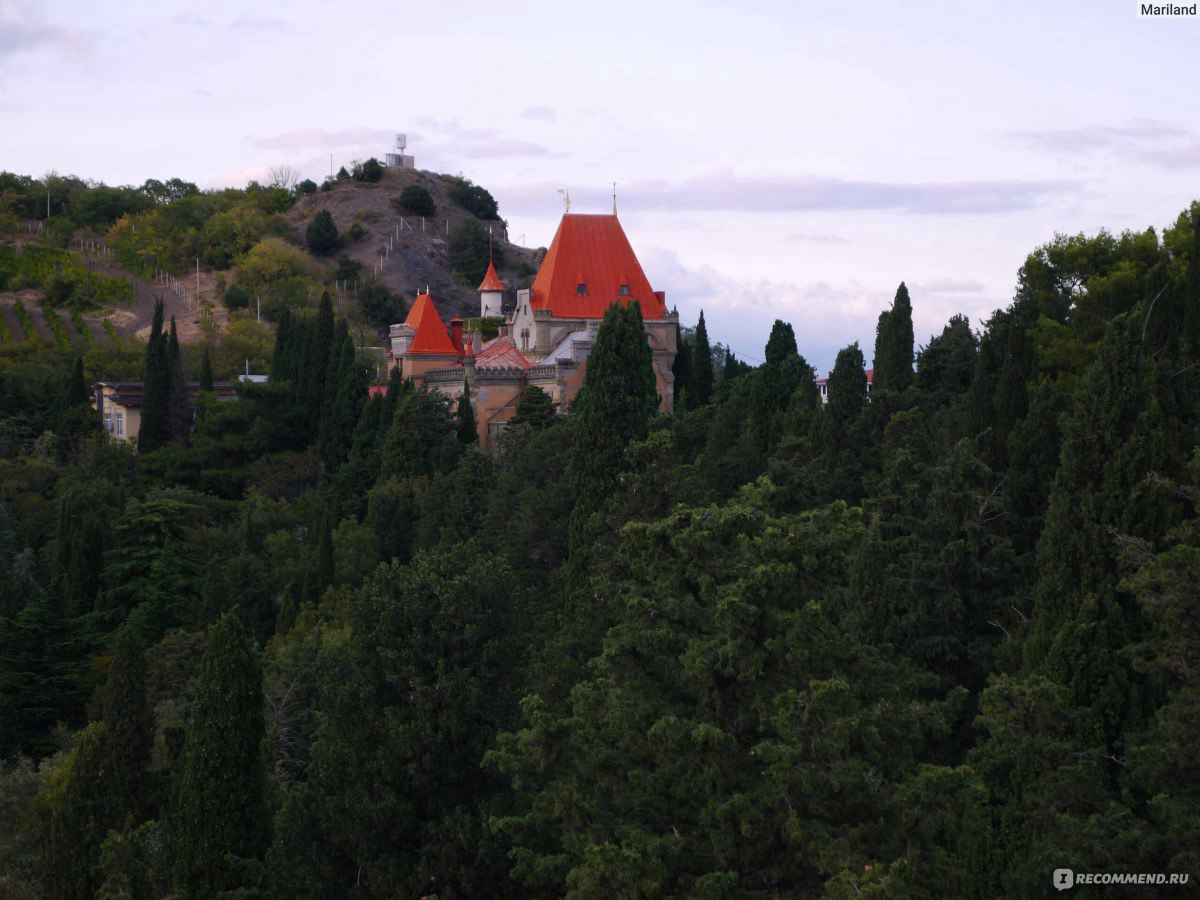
x=1100, y=137
x=1157, y=143
x=310, y=138
x=817, y=238
x=541, y=113
x=20, y=33
x=724, y=191
x=1185, y=157
x=825, y=316
x=950, y=286
x=458, y=141
x=262, y=25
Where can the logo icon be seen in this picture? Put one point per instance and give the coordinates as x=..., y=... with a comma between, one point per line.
x=1064, y=879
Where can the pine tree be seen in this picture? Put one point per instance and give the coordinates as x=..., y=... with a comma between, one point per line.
x=894, y=345
x=702, y=368
x=220, y=809
x=465, y=416
x=322, y=234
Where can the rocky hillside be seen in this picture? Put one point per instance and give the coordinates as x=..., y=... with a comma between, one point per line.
x=415, y=250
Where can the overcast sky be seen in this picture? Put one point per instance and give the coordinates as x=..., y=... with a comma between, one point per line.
x=791, y=160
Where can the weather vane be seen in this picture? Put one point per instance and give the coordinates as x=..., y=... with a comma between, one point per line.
x=566, y=199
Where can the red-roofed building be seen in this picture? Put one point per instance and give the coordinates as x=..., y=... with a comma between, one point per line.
x=823, y=385
x=548, y=336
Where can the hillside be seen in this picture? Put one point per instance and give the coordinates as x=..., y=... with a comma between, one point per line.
x=419, y=255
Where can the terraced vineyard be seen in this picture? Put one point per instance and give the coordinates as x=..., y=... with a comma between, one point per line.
x=26, y=318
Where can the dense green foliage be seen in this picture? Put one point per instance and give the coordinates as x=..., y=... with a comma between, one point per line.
x=322, y=234
x=937, y=640
x=416, y=200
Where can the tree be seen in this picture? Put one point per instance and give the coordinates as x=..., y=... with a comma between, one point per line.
x=471, y=247
x=129, y=723
x=371, y=170
x=220, y=814
x=397, y=801
x=82, y=810
x=702, y=364
x=467, y=431
x=156, y=387
x=322, y=234
x=894, y=345
x=206, y=372
x=535, y=409
x=416, y=200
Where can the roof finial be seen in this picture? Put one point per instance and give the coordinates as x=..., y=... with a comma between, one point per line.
x=566, y=199
x=614, y=198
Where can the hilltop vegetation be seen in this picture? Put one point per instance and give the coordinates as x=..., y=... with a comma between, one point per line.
x=938, y=640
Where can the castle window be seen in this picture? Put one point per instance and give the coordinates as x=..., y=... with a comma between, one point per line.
x=624, y=291
x=581, y=289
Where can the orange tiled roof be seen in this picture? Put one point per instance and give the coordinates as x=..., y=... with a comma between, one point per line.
x=491, y=281
x=592, y=250
x=431, y=335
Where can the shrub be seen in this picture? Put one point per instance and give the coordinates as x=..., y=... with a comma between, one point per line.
x=416, y=201
x=356, y=232
x=307, y=186
x=347, y=269
x=236, y=298
x=471, y=197
x=322, y=234
x=371, y=170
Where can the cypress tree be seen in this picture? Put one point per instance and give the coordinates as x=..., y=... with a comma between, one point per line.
x=80, y=818
x=220, y=809
x=465, y=417
x=617, y=401
x=324, y=570
x=280, y=368
x=206, y=372
x=684, y=388
x=153, y=432
x=894, y=345
x=614, y=408
x=130, y=723
x=702, y=367
x=179, y=424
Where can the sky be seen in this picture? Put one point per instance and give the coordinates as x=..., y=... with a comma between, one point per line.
x=773, y=160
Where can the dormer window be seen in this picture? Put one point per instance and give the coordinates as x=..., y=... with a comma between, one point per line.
x=581, y=289
x=624, y=290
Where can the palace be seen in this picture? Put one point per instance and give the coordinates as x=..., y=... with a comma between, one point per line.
x=546, y=338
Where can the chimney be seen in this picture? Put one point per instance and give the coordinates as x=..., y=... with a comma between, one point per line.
x=476, y=343
x=456, y=326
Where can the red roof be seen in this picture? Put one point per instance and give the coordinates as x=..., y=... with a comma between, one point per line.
x=491, y=281
x=431, y=335
x=501, y=352
x=592, y=250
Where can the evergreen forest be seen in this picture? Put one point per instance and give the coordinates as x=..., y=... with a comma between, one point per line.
x=935, y=640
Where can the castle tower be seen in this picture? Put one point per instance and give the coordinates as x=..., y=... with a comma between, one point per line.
x=491, y=292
